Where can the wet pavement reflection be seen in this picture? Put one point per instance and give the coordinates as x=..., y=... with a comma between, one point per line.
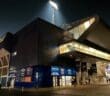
x=74, y=91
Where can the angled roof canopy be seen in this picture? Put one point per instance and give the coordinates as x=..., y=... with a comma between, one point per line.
x=79, y=30
x=75, y=46
x=92, y=31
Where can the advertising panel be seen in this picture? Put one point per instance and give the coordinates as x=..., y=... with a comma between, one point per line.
x=24, y=75
x=70, y=71
x=62, y=71
x=55, y=71
x=28, y=79
x=108, y=71
x=28, y=71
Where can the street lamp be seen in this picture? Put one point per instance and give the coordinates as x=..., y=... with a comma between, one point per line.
x=14, y=53
x=55, y=7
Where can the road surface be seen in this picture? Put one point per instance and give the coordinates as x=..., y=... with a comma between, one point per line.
x=93, y=90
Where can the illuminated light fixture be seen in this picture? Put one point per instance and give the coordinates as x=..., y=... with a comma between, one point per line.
x=87, y=24
x=76, y=45
x=14, y=53
x=91, y=49
x=53, y=4
x=71, y=55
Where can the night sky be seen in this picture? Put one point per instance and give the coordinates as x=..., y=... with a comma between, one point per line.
x=14, y=14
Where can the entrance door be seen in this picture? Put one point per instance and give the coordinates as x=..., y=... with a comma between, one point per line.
x=66, y=81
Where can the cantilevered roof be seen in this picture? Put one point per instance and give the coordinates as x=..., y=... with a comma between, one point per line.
x=76, y=46
x=93, y=31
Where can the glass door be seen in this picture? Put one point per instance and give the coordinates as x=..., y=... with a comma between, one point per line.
x=66, y=81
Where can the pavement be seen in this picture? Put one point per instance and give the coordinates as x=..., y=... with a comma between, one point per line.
x=80, y=90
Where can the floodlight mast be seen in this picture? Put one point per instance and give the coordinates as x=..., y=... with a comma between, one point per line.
x=55, y=7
